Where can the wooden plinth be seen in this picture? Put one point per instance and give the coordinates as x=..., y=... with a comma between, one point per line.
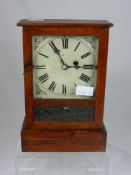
x=63, y=141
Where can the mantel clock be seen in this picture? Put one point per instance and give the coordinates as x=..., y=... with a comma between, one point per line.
x=64, y=77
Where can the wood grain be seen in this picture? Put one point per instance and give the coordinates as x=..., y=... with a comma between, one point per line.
x=65, y=22
x=63, y=141
x=79, y=136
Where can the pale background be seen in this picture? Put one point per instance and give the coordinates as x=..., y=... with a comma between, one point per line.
x=118, y=87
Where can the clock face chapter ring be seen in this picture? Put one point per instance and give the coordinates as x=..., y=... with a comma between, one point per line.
x=61, y=63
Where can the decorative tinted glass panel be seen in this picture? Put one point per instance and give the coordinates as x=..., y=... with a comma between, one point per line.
x=67, y=114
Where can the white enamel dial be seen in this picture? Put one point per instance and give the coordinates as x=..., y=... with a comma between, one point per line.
x=61, y=63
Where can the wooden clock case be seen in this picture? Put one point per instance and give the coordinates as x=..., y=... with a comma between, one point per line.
x=64, y=136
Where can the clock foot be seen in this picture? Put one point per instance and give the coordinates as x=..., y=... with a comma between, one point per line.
x=93, y=140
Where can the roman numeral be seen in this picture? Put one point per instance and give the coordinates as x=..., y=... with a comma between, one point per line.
x=77, y=46
x=64, y=91
x=39, y=67
x=52, y=45
x=43, y=55
x=85, y=55
x=44, y=77
x=52, y=86
x=84, y=77
x=89, y=66
x=65, y=43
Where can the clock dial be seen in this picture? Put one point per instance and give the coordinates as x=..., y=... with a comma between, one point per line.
x=60, y=64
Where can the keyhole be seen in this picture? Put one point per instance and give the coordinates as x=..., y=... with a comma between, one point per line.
x=75, y=63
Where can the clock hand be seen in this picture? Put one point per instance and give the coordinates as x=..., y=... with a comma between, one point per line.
x=63, y=63
x=87, y=66
x=65, y=66
x=57, y=51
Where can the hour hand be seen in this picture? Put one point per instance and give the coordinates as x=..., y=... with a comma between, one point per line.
x=85, y=66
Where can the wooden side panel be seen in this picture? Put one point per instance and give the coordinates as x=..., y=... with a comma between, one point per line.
x=101, y=76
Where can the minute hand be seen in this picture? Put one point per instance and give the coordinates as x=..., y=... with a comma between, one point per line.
x=57, y=51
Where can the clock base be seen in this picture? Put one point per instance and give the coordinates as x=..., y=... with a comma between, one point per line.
x=93, y=140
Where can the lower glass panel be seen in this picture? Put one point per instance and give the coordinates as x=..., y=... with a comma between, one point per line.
x=64, y=114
